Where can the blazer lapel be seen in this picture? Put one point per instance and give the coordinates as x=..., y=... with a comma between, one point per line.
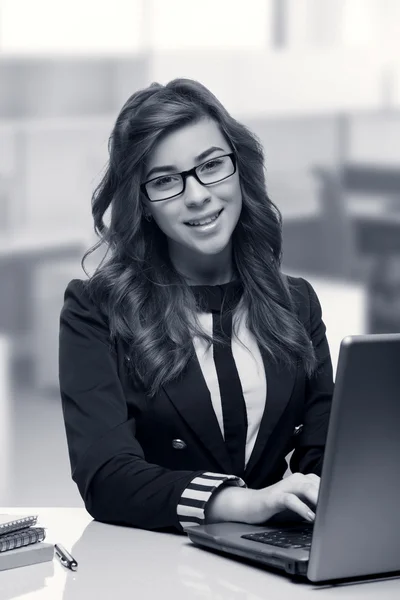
x=191, y=397
x=280, y=382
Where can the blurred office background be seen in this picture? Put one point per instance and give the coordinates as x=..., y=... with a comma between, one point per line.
x=317, y=80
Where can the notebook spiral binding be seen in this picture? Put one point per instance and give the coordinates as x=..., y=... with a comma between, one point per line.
x=25, y=537
x=17, y=524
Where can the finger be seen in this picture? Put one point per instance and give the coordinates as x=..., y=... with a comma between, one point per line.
x=308, y=492
x=304, y=486
x=299, y=477
x=293, y=503
x=314, y=479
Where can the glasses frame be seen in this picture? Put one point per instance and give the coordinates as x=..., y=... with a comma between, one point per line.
x=186, y=174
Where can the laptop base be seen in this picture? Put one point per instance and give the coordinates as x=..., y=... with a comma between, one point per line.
x=202, y=537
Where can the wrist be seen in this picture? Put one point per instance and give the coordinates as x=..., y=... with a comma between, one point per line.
x=229, y=503
x=254, y=509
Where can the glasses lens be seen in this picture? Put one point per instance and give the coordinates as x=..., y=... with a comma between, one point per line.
x=212, y=171
x=216, y=169
x=164, y=187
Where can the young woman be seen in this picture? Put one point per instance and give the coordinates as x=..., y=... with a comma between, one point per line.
x=190, y=365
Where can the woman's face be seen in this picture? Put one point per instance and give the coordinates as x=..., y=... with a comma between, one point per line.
x=194, y=144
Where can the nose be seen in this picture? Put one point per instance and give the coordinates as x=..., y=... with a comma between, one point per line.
x=195, y=192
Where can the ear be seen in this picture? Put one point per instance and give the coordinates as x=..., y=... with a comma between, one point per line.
x=145, y=211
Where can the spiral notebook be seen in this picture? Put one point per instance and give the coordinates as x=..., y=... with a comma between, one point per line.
x=16, y=539
x=9, y=523
x=21, y=543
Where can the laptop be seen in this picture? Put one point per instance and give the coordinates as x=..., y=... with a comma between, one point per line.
x=356, y=532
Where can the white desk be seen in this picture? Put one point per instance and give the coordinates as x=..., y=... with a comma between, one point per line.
x=121, y=562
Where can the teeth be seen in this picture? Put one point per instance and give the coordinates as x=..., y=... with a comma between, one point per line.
x=194, y=223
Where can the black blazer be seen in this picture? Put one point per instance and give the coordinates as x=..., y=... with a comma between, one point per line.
x=120, y=443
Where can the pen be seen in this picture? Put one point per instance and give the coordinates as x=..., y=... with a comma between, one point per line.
x=65, y=558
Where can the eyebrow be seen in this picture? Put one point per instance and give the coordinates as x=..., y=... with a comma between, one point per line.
x=174, y=169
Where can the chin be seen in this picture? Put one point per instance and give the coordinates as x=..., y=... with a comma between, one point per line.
x=212, y=247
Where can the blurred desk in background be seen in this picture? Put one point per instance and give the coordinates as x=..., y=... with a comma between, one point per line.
x=27, y=243
x=23, y=254
x=5, y=410
x=375, y=232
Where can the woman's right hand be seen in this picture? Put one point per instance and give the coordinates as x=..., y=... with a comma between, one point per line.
x=297, y=493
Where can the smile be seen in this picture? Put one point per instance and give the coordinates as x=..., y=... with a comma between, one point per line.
x=205, y=222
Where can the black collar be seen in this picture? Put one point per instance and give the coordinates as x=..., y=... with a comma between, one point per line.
x=212, y=298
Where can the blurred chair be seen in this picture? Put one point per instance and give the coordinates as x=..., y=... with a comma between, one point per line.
x=384, y=294
x=322, y=241
x=376, y=215
x=359, y=217
x=337, y=236
x=361, y=231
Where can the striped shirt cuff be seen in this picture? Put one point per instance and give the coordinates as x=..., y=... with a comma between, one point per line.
x=195, y=496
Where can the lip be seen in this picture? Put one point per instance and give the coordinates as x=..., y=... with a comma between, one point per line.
x=204, y=217
x=206, y=230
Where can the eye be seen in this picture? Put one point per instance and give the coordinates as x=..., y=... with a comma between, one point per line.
x=164, y=181
x=213, y=164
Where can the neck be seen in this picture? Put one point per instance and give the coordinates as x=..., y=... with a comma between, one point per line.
x=204, y=270
x=207, y=278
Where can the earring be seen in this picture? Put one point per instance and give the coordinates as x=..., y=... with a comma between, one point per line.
x=148, y=216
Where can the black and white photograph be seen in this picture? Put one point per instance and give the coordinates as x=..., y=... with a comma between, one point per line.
x=199, y=299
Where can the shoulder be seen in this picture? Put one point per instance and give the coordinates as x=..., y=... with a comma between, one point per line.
x=303, y=295
x=76, y=297
x=299, y=288
x=79, y=303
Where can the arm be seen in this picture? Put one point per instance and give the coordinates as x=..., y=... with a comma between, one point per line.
x=108, y=465
x=310, y=445
x=281, y=501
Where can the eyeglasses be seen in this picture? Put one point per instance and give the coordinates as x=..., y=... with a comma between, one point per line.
x=168, y=186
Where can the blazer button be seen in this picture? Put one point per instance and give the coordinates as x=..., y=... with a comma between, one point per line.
x=297, y=429
x=178, y=444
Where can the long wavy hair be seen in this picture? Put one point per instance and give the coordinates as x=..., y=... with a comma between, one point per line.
x=148, y=304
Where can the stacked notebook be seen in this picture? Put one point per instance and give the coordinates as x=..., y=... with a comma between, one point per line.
x=21, y=542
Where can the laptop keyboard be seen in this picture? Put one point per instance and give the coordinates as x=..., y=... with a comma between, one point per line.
x=292, y=537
